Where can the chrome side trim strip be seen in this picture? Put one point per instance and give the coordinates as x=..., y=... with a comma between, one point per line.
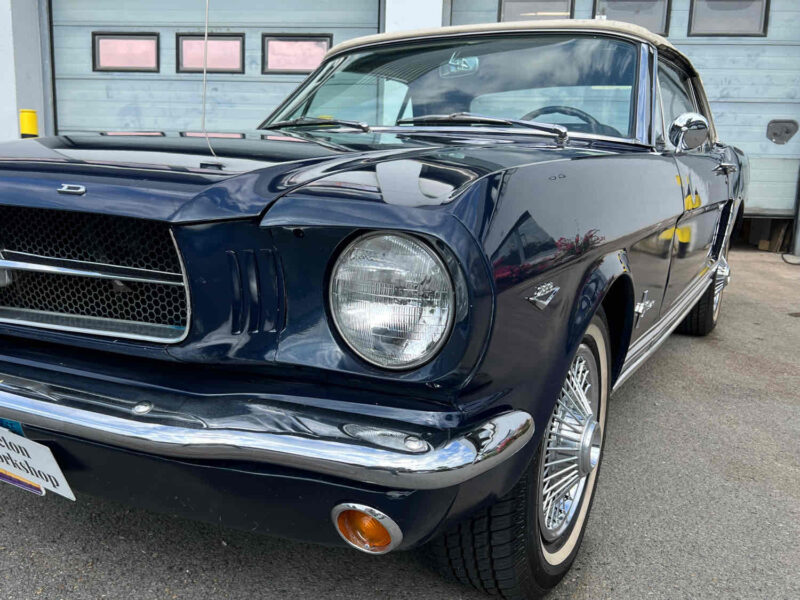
x=652, y=339
x=452, y=463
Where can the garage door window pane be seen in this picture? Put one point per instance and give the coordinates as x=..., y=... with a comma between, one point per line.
x=136, y=133
x=125, y=52
x=294, y=55
x=728, y=17
x=224, y=54
x=518, y=10
x=212, y=134
x=652, y=14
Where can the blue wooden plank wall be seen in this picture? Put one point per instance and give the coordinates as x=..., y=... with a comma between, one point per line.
x=170, y=101
x=749, y=81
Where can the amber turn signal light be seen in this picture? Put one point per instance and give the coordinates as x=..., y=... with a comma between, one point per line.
x=366, y=528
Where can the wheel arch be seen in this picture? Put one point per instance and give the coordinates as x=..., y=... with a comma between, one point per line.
x=607, y=284
x=618, y=307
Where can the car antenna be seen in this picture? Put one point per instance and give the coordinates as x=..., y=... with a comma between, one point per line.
x=205, y=84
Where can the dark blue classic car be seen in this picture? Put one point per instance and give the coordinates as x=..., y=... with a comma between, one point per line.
x=393, y=316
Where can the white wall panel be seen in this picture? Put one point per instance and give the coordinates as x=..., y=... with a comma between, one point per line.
x=9, y=121
x=171, y=101
x=413, y=14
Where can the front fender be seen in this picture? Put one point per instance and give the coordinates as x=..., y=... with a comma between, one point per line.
x=530, y=349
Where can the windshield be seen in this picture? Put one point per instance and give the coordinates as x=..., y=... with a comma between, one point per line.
x=585, y=83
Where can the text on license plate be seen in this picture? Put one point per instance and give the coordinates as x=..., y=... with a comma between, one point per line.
x=30, y=466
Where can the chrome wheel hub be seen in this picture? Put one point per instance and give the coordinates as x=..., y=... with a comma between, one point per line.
x=590, y=447
x=571, y=450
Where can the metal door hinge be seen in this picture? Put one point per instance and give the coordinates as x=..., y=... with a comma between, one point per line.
x=642, y=307
x=724, y=168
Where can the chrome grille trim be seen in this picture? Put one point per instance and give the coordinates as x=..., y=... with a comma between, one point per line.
x=20, y=261
x=75, y=324
x=13, y=261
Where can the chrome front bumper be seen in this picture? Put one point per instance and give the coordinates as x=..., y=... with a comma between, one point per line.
x=272, y=434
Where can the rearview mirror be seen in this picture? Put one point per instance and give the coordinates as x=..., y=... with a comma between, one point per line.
x=459, y=66
x=688, y=131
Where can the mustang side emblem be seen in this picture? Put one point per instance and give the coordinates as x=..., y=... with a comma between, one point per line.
x=69, y=188
x=543, y=295
x=642, y=307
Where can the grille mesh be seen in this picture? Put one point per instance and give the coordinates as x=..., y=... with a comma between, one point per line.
x=105, y=239
x=104, y=298
x=143, y=306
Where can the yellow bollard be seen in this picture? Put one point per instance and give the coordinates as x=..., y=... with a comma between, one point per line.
x=28, y=123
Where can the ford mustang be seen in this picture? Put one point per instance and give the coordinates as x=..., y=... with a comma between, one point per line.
x=390, y=317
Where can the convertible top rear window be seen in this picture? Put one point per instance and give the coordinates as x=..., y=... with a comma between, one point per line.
x=584, y=82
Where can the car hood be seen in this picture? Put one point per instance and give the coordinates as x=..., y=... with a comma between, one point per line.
x=178, y=180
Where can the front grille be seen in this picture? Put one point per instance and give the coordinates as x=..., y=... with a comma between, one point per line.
x=101, y=298
x=96, y=274
x=89, y=237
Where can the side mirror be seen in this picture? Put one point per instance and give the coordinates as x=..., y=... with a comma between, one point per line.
x=688, y=131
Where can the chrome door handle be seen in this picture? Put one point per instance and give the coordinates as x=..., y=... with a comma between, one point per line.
x=724, y=168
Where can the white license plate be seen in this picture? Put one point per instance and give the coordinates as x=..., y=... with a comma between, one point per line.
x=30, y=466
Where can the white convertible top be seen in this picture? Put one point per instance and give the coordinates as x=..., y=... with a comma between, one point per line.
x=587, y=25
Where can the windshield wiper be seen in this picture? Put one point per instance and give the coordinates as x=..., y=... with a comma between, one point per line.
x=464, y=117
x=314, y=122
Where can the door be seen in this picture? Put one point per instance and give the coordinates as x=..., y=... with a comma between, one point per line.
x=703, y=186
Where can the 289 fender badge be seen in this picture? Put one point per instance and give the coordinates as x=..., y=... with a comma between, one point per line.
x=543, y=295
x=72, y=189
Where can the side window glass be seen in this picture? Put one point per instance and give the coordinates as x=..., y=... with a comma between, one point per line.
x=675, y=93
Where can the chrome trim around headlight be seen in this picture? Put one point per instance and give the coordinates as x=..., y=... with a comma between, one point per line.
x=439, y=262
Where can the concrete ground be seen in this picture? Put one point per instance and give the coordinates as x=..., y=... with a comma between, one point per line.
x=699, y=495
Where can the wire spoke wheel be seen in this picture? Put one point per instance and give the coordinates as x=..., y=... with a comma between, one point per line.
x=523, y=544
x=571, y=450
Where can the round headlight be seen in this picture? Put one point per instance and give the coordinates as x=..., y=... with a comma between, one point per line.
x=392, y=299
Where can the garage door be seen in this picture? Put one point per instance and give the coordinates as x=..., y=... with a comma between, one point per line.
x=132, y=65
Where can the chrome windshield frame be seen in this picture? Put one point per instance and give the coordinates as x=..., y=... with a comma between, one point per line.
x=643, y=119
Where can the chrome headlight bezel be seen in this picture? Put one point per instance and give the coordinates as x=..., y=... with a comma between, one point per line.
x=436, y=257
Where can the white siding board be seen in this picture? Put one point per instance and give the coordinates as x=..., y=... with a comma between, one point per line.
x=751, y=81
x=170, y=101
x=774, y=169
x=324, y=13
x=468, y=12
